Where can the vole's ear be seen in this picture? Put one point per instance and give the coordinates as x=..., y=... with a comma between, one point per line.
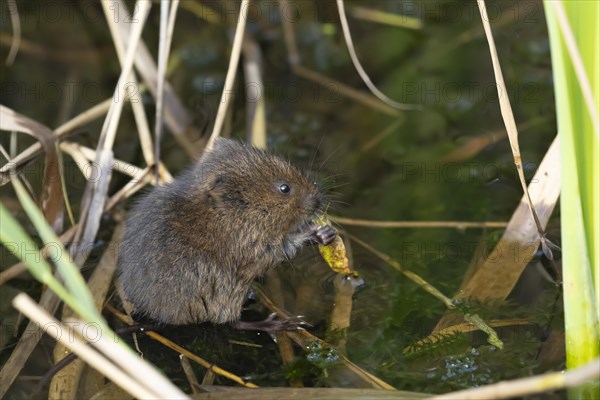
x=216, y=188
x=217, y=184
x=222, y=195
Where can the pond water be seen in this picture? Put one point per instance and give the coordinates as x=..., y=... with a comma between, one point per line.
x=398, y=167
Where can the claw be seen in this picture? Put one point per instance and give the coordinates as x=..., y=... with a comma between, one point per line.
x=324, y=235
x=271, y=325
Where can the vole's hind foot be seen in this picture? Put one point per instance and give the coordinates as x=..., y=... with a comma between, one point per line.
x=271, y=324
x=324, y=235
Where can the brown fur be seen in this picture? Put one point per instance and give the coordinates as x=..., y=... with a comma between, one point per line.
x=192, y=248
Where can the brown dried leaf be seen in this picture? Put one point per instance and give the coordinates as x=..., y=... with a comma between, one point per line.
x=51, y=200
x=495, y=275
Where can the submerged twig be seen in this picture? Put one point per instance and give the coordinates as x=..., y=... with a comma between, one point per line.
x=388, y=130
x=472, y=318
x=303, y=338
x=342, y=308
x=272, y=282
x=174, y=346
x=474, y=144
x=189, y=373
x=359, y=68
x=382, y=17
x=13, y=11
x=419, y=224
x=335, y=87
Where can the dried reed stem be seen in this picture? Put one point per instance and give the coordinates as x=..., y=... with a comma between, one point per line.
x=54, y=328
x=227, y=94
x=419, y=224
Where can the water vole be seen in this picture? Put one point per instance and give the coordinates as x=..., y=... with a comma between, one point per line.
x=192, y=248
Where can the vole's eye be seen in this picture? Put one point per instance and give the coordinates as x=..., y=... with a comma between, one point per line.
x=284, y=188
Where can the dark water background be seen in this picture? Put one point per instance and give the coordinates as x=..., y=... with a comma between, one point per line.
x=70, y=66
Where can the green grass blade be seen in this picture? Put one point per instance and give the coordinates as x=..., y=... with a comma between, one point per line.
x=18, y=242
x=579, y=191
x=78, y=297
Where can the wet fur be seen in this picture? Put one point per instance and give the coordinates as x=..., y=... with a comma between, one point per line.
x=192, y=248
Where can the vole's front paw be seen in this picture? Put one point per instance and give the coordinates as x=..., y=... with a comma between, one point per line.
x=324, y=235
